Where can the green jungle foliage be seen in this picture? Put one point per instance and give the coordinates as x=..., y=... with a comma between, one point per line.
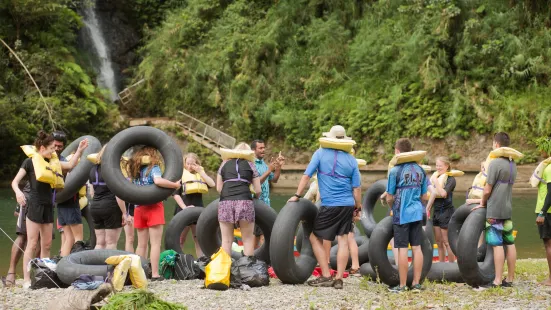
x=43, y=34
x=288, y=70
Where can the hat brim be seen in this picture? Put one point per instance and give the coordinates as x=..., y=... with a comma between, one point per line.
x=329, y=135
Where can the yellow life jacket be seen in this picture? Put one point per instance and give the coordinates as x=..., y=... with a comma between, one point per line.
x=193, y=183
x=93, y=158
x=406, y=157
x=46, y=172
x=337, y=144
x=477, y=188
x=237, y=154
x=361, y=162
x=536, y=177
x=83, y=200
x=443, y=178
x=427, y=168
x=508, y=152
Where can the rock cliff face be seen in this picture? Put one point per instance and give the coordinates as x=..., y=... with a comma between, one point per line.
x=122, y=35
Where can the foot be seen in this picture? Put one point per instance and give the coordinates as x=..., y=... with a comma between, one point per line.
x=155, y=279
x=338, y=284
x=417, y=288
x=398, y=289
x=27, y=285
x=354, y=271
x=506, y=283
x=547, y=282
x=9, y=280
x=321, y=282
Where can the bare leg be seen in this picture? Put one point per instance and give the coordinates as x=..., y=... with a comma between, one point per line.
x=403, y=266
x=143, y=240
x=129, y=238
x=446, y=243
x=77, y=231
x=100, y=239
x=112, y=238
x=394, y=252
x=68, y=241
x=547, y=243
x=226, y=229
x=183, y=236
x=33, y=231
x=511, y=262
x=441, y=248
x=319, y=252
x=247, y=235
x=417, y=265
x=45, y=240
x=327, y=249
x=353, y=246
x=20, y=243
x=155, y=237
x=342, y=255
x=499, y=260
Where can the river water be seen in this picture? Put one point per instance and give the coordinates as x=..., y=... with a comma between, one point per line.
x=528, y=242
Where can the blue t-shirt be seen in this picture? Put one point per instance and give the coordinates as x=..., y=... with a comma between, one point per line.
x=262, y=167
x=407, y=191
x=148, y=179
x=335, y=190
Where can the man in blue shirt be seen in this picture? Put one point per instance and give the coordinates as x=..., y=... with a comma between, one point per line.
x=407, y=186
x=267, y=173
x=339, y=187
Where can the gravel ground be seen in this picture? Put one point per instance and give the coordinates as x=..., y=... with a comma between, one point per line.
x=358, y=293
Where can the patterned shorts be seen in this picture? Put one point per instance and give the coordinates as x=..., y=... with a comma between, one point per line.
x=499, y=232
x=233, y=211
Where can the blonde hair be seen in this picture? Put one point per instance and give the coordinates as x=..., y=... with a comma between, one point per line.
x=446, y=161
x=192, y=156
x=242, y=146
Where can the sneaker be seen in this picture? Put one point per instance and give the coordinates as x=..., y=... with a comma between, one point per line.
x=156, y=279
x=491, y=285
x=417, y=288
x=504, y=283
x=321, y=282
x=397, y=289
x=338, y=284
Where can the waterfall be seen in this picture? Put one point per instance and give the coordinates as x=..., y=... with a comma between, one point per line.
x=103, y=65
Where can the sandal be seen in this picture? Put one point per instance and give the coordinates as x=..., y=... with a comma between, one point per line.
x=6, y=282
x=354, y=271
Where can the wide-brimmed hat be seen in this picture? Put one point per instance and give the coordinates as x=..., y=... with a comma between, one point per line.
x=337, y=132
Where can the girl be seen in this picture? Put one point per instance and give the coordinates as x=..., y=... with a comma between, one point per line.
x=441, y=199
x=149, y=220
x=39, y=206
x=195, y=183
x=108, y=211
x=236, y=204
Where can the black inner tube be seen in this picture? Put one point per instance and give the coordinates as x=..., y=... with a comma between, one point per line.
x=291, y=270
x=140, y=135
x=369, y=202
x=79, y=175
x=454, y=227
x=87, y=214
x=179, y=222
x=363, y=252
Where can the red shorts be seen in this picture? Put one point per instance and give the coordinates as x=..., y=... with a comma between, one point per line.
x=149, y=216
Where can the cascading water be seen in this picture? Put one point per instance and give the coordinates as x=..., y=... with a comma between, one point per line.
x=103, y=65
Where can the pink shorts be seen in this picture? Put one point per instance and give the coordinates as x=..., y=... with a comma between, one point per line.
x=233, y=211
x=149, y=216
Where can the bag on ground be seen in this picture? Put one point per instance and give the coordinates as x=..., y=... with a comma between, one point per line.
x=218, y=271
x=251, y=271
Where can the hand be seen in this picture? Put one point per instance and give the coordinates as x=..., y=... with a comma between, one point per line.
x=470, y=201
x=477, y=207
x=82, y=145
x=540, y=220
x=383, y=199
x=177, y=185
x=273, y=164
x=196, y=168
x=21, y=199
x=280, y=159
x=124, y=220
x=293, y=199
x=428, y=211
x=129, y=219
x=16, y=214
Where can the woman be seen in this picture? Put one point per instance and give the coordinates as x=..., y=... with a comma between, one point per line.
x=195, y=183
x=39, y=206
x=149, y=219
x=108, y=211
x=236, y=203
x=442, y=195
x=129, y=229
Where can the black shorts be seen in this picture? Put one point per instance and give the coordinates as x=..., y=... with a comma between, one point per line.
x=545, y=229
x=441, y=218
x=410, y=233
x=40, y=213
x=333, y=221
x=69, y=216
x=107, y=218
x=21, y=227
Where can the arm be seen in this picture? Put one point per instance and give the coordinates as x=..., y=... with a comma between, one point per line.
x=541, y=216
x=15, y=186
x=179, y=201
x=162, y=182
x=357, y=192
x=441, y=191
x=271, y=168
x=280, y=161
x=257, y=188
x=206, y=178
x=301, y=186
x=121, y=205
x=67, y=166
x=219, y=183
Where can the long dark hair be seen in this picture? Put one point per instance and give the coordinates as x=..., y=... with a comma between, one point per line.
x=43, y=139
x=135, y=163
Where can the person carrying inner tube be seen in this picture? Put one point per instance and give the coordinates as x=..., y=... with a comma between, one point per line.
x=108, y=211
x=149, y=219
x=543, y=218
x=236, y=203
x=497, y=198
x=339, y=185
x=40, y=205
x=407, y=186
x=442, y=200
x=195, y=183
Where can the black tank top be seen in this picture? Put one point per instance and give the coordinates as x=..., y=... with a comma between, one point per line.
x=234, y=189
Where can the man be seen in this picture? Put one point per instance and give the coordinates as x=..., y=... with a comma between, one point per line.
x=406, y=187
x=69, y=216
x=497, y=198
x=543, y=219
x=267, y=173
x=339, y=186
